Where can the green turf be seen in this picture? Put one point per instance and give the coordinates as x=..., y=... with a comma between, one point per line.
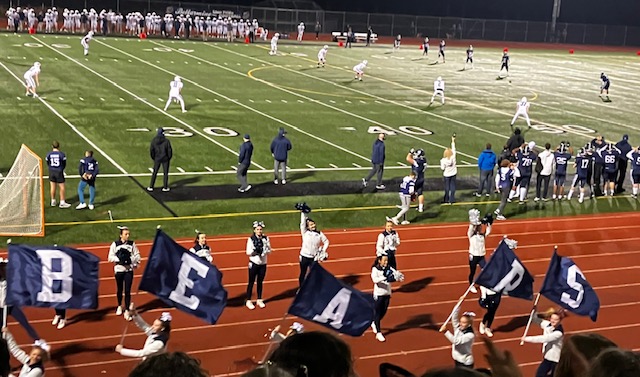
x=331, y=120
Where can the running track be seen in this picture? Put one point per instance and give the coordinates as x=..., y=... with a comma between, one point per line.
x=434, y=261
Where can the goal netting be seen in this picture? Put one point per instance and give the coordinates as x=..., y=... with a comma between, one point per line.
x=22, y=197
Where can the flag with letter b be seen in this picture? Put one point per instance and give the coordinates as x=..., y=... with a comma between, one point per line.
x=52, y=277
x=328, y=301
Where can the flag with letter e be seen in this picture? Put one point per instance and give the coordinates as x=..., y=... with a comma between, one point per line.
x=328, y=301
x=505, y=273
x=181, y=279
x=566, y=285
x=52, y=277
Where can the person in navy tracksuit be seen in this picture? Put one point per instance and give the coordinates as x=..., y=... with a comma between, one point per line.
x=244, y=161
x=280, y=147
x=377, y=162
x=88, y=170
x=624, y=147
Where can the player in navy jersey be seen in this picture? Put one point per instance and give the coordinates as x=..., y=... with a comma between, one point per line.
x=418, y=165
x=504, y=183
x=598, y=164
x=504, y=63
x=407, y=189
x=583, y=165
x=88, y=170
x=441, y=51
x=57, y=162
x=604, y=88
x=561, y=159
x=610, y=156
x=469, y=57
x=425, y=47
x=526, y=157
x=634, y=156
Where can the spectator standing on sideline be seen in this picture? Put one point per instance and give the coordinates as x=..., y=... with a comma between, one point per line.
x=318, y=29
x=349, y=37
x=486, y=164
x=161, y=154
x=280, y=147
x=57, y=162
x=258, y=246
x=244, y=160
x=516, y=140
x=125, y=255
x=377, y=162
x=624, y=147
x=544, y=168
x=449, y=171
x=369, y=33
x=88, y=170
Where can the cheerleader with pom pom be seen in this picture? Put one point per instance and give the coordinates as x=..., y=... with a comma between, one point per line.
x=258, y=246
x=462, y=337
x=382, y=275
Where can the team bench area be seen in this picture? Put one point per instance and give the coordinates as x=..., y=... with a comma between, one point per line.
x=341, y=36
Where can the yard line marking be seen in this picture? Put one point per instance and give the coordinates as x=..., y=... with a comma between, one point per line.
x=333, y=166
x=19, y=98
x=361, y=101
x=101, y=99
x=332, y=101
x=268, y=101
x=250, y=100
x=216, y=100
x=284, y=101
x=190, y=127
x=122, y=99
x=208, y=169
x=347, y=101
x=198, y=99
x=81, y=99
x=61, y=99
x=356, y=165
x=160, y=99
x=402, y=163
x=234, y=168
x=181, y=170
x=300, y=101
x=310, y=167
x=150, y=169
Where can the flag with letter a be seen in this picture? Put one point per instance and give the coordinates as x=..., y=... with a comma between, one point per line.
x=328, y=301
x=181, y=279
x=505, y=273
x=52, y=276
x=566, y=285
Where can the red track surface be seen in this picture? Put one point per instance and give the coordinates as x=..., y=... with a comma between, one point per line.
x=434, y=261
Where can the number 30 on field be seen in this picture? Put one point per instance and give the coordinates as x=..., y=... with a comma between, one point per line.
x=414, y=130
x=213, y=131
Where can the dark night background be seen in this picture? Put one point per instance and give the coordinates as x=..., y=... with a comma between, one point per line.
x=610, y=12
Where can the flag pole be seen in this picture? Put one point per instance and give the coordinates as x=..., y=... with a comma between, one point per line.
x=444, y=325
x=533, y=312
x=267, y=353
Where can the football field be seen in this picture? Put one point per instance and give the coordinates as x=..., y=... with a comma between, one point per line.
x=112, y=100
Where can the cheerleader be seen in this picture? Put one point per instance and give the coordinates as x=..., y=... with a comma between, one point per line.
x=382, y=275
x=33, y=363
x=314, y=242
x=157, y=336
x=388, y=241
x=258, y=246
x=551, y=339
x=125, y=256
x=489, y=300
x=201, y=248
x=477, y=250
x=276, y=336
x=462, y=337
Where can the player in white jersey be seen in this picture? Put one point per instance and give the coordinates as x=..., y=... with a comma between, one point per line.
x=85, y=42
x=300, y=31
x=274, y=44
x=359, y=69
x=438, y=90
x=32, y=79
x=174, y=93
x=322, y=56
x=522, y=109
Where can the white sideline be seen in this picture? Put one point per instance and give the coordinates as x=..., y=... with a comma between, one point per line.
x=193, y=129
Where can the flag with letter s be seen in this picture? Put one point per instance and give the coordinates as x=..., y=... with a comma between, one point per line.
x=181, y=279
x=52, y=277
x=327, y=301
x=566, y=285
x=505, y=273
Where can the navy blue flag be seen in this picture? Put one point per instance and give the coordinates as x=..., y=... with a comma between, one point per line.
x=52, y=277
x=565, y=285
x=505, y=273
x=181, y=279
x=328, y=301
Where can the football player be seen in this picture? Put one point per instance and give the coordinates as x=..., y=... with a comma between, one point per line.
x=610, y=154
x=469, y=57
x=505, y=63
x=274, y=44
x=322, y=56
x=425, y=46
x=525, y=157
x=396, y=42
x=522, y=109
x=441, y=51
x=174, y=93
x=407, y=189
x=359, y=70
x=583, y=165
x=634, y=156
x=418, y=163
x=561, y=159
x=85, y=42
x=438, y=90
x=32, y=78
x=604, y=88
x=300, y=31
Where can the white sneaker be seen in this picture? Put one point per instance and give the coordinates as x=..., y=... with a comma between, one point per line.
x=500, y=217
x=405, y=222
x=275, y=181
x=420, y=209
x=119, y=310
x=166, y=189
x=127, y=315
x=61, y=324
x=150, y=189
x=473, y=289
x=395, y=221
x=260, y=304
x=64, y=205
x=250, y=305
x=284, y=181
x=373, y=327
x=364, y=182
x=536, y=199
x=482, y=328
x=580, y=200
x=488, y=332
x=381, y=187
x=56, y=319
x=91, y=207
x=81, y=206
x=248, y=188
x=53, y=203
x=380, y=337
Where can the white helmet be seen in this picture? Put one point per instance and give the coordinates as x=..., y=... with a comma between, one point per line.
x=91, y=32
x=439, y=78
x=177, y=78
x=524, y=99
x=365, y=62
x=326, y=47
x=277, y=35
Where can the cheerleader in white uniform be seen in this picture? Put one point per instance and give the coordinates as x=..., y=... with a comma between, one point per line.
x=32, y=362
x=200, y=248
x=157, y=336
x=387, y=244
x=382, y=275
x=258, y=246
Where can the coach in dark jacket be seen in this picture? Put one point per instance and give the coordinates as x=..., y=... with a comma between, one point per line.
x=625, y=148
x=377, y=162
x=598, y=164
x=244, y=160
x=161, y=154
x=280, y=147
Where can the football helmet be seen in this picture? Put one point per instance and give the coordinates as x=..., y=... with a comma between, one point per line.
x=177, y=78
x=365, y=62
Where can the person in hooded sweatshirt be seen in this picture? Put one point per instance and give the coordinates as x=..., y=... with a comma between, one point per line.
x=280, y=147
x=161, y=154
x=88, y=170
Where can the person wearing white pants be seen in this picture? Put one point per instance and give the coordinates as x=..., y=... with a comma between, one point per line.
x=85, y=42
x=407, y=188
x=274, y=44
x=438, y=89
x=522, y=109
x=174, y=93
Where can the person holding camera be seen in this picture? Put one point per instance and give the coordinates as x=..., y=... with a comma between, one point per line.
x=477, y=237
x=126, y=257
x=258, y=246
x=314, y=242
